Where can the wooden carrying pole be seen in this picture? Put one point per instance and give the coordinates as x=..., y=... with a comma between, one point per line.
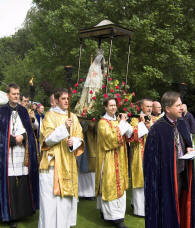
x=109, y=57
x=68, y=74
x=128, y=56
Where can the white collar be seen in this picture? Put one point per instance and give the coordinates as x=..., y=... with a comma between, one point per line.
x=108, y=117
x=59, y=110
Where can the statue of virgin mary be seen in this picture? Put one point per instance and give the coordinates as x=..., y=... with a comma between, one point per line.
x=93, y=83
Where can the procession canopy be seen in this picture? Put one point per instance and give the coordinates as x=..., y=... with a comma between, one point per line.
x=105, y=29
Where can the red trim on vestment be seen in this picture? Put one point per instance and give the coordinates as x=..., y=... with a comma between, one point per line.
x=117, y=173
x=9, y=200
x=125, y=157
x=176, y=186
x=186, y=201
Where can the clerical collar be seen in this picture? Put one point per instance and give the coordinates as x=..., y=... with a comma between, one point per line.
x=108, y=117
x=59, y=110
x=172, y=121
x=13, y=108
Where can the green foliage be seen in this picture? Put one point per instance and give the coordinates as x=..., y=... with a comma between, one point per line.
x=162, y=48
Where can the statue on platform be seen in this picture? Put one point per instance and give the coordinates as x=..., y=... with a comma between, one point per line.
x=93, y=83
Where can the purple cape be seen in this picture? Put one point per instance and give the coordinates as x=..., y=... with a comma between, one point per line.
x=159, y=179
x=5, y=114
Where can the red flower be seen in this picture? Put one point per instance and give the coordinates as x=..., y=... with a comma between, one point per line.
x=91, y=92
x=110, y=67
x=74, y=91
x=117, y=87
x=94, y=98
x=129, y=114
x=131, y=105
x=118, y=99
x=133, y=94
x=126, y=100
x=81, y=80
x=104, y=86
x=105, y=95
x=93, y=119
x=112, y=91
x=124, y=109
x=106, y=74
x=117, y=94
x=137, y=107
x=83, y=114
x=109, y=79
x=76, y=85
x=124, y=83
x=70, y=88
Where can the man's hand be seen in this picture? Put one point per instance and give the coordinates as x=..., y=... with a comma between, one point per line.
x=19, y=139
x=148, y=124
x=189, y=149
x=68, y=123
x=142, y=118
x=31, y=115
x=70, y=142
x=123, y=116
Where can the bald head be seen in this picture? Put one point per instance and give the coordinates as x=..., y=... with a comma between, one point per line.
x=156, y=108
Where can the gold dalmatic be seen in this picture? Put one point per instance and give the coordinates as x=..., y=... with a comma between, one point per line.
x=64, y=161
x=137, y=148
x=111, y=161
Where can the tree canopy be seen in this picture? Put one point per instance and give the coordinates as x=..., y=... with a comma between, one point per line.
x=162, y=47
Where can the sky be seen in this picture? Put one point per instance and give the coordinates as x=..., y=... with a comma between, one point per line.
x=12, y=15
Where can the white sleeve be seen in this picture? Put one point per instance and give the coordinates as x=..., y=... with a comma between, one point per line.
x=76, y=143
x=125, y=128
x=129, y=132
x=142, y=129
x=57, y=135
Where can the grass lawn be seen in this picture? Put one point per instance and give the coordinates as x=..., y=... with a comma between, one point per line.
x=88, y=217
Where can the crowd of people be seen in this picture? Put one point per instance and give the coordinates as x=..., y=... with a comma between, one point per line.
x=49, y=160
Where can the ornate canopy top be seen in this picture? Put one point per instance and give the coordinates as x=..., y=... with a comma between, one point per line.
x=105, y=29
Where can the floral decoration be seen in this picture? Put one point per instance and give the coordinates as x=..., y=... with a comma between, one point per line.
x=115, y=89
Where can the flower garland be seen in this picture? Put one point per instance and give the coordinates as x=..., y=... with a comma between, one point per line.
x=115, y=89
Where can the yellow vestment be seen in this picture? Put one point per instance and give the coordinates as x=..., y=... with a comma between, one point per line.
x=137, y=148
x=64, y=161
x=111, y=161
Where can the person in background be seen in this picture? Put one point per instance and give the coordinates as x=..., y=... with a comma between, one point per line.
x=141, y=126
x=34, y=107
x=156, y=108
x=19, y=190
x=24, y=101
x=39, y=116
x=189, y=119
x=169, y=183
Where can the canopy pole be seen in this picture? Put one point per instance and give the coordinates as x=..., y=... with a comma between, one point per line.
x=99, y=43
x=128, y=56
x=80, y=50
x=108, y=67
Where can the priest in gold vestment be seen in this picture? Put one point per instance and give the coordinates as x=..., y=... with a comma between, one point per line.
x=112, y=164
x=61, y=141
x=141, y=127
